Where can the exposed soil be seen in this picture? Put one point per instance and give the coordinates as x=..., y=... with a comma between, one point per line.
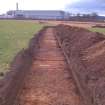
x=11, y=84
x=99, y=26
x=86, y=52
x=41, y=74
x=75, y=23
x=48, y=82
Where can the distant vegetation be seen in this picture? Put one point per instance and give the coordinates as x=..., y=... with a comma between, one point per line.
x=86, y=17
x=14, y=35
x=100, y=30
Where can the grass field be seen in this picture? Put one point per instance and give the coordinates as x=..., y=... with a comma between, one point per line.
x=100, y=30
x=14, y=35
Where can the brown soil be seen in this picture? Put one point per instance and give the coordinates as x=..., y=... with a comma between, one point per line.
x=76, y=23
x=94, y=61
x=86, y=52
x=41, y=74
x=48, y=82
x=99, y=26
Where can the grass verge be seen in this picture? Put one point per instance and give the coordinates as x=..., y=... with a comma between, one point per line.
x=14, y=35
x=100, y=30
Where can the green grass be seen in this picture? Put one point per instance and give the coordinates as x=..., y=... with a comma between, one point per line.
x=100, y=30
x=14, y=35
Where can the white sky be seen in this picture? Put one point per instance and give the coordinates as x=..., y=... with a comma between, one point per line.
x=6, y=5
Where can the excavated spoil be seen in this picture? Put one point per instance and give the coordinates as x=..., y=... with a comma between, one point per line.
x=12, y=82
x=86, y=53
x=99, y=26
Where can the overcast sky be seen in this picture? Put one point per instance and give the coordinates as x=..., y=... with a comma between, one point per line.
x=6, y=5
x=87, y=6
x=69, y=5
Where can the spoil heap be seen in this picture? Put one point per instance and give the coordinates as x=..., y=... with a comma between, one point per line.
x=86, y=53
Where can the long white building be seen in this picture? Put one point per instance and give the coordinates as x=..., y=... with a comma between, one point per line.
x=39, y=14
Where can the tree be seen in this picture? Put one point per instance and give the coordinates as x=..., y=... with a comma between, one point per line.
x=78, y=14
x=94, y=14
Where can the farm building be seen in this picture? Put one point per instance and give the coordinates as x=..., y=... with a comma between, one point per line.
x=38, y=14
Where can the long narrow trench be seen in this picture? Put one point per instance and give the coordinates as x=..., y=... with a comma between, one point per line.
x=49, y=81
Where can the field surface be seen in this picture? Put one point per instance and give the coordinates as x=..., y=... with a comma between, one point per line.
x=14, y=35
x=100, y=30
x=87, y=25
